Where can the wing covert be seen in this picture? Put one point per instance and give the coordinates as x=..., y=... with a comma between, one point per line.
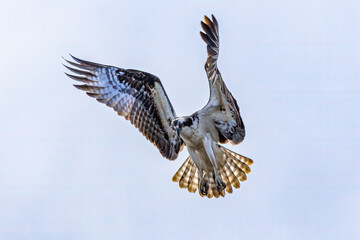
x=138, y=96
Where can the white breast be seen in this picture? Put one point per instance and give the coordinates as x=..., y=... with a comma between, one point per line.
x=192, y=135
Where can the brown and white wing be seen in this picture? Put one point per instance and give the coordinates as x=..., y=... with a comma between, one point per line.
x=138, y=96
x=222, y=106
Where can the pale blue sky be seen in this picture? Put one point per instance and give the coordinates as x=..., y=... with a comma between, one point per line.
x=70, y=168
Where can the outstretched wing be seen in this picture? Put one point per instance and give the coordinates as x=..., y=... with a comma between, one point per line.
x=138, y=96
x=222, y=106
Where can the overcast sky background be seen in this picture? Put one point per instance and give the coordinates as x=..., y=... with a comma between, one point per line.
x=70, y=168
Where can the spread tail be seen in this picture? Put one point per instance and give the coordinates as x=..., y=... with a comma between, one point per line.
x=233, y=168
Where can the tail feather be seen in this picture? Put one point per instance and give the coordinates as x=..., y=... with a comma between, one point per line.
x=184, y=180
x=192, y=182
x=212, y=186
x=226, y=180
x=211, y=183
x=245, y=168
x=239, y=157
x=232, y=166
x=232, y=177
x=239, y=173
x=180, y=172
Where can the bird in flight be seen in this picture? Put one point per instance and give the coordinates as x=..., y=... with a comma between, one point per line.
x=141, y=98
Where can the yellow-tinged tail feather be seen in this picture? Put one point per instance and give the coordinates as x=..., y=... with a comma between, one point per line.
x=233, y=168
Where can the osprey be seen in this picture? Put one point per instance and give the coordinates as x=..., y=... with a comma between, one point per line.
x=141, y=98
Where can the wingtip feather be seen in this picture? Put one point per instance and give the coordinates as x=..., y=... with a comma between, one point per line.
x=76, y=59
x=80, y=72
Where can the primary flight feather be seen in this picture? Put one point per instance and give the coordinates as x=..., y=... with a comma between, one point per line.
x=140, y=97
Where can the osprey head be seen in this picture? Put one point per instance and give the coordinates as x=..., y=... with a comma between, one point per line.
x=182, y=122
x=177, y=124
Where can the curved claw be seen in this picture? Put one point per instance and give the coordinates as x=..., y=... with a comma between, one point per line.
x=204, y=187
x=220, y=184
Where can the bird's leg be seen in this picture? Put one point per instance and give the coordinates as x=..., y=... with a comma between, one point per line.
x=203, y=185
x=220, y=184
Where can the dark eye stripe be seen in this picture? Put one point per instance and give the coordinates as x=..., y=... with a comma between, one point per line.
x=188, y=122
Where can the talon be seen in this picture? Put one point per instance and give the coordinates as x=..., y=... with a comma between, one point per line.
x=204, y=187
x=220, y=185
